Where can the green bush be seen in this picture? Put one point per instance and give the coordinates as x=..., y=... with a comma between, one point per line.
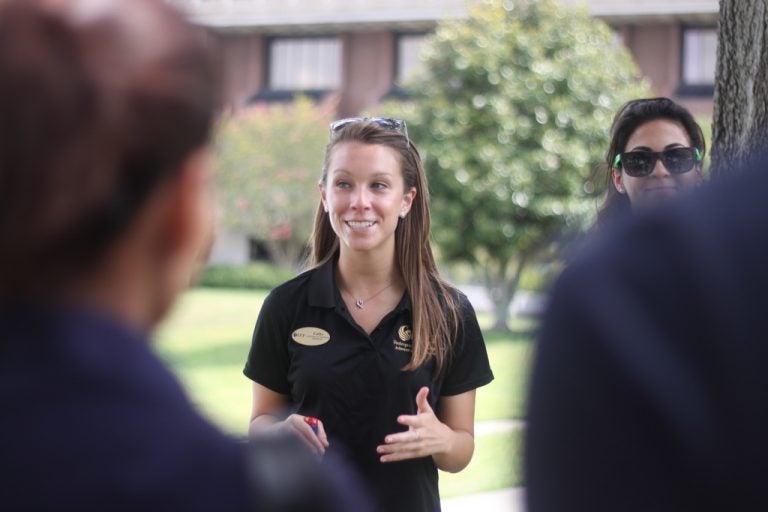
x=265, y=191
x=257, y=275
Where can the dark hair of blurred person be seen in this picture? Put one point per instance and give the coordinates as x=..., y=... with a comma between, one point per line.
x=106, y=109
x=103, y=105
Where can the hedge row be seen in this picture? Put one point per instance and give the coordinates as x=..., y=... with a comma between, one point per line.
x=256, y=275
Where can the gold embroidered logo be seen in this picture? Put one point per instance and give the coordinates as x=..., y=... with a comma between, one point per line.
x=310, y=336
x=404, y=344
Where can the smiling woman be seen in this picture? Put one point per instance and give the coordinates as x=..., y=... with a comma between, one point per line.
x=393, y=384
x=656, y=152
x=365, y=202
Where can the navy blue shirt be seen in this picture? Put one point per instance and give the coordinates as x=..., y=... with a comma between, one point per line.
x=306, y=345
x=650, y=388
x=92, y=420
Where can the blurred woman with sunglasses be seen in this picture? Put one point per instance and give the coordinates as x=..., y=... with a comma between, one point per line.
x=656, y=152
x=370, y=352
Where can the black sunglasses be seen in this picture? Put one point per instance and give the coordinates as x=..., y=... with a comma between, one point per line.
x=641, y=163
x=397, y=125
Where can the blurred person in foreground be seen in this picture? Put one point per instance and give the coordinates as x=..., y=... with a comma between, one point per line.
x=649, y=383
x=105, y=212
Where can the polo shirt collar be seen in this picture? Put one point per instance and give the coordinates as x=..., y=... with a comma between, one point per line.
x=322, y=286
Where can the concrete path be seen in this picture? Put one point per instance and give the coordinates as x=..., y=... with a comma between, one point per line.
x=503, y=500
x=492, y=426
x=524, y=303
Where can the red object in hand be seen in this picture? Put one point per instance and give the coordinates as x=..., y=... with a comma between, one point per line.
x=312, y=422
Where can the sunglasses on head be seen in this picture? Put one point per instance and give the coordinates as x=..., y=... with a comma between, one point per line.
x=641, y=163
x=396, y=125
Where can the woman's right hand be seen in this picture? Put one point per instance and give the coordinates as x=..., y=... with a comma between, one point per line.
x=298, y=425
x=266, y=402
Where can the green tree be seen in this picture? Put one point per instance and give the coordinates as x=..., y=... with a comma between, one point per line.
x=512, y=116
x=269, y=159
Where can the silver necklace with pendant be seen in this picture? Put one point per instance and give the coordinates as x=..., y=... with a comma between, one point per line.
x=360, y=303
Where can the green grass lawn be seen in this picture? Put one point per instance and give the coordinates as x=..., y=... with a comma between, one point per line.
x=496, y=464
x=206, y=341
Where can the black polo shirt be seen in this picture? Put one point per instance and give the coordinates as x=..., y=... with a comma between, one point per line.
x=307, y=346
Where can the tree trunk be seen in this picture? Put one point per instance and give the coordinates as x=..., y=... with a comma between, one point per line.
x=740, y=118
x=501, y=291
x=284, y=253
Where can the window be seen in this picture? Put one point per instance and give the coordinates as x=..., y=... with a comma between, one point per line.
x=307, y=63
x=619, y=36
x=408, y=61
x=699, y=60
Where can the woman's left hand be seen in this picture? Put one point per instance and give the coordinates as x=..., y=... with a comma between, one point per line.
x=426, y=435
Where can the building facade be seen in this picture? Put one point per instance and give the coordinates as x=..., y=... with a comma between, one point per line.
x=272, y=50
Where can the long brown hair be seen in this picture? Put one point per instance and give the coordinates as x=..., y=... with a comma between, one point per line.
x=433, y=334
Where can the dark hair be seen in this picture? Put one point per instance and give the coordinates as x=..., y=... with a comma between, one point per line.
x=432, y=333
x=631, y=115
x=99, y=103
